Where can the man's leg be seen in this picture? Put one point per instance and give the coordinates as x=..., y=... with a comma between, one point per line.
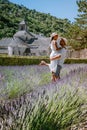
x=53, y=77
x=57, y=74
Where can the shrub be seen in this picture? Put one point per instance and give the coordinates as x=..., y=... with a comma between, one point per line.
x=21, y=60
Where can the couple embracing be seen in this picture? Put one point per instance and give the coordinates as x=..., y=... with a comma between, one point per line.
x=57, y=55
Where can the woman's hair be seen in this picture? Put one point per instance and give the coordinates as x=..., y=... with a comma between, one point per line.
x=63, y=42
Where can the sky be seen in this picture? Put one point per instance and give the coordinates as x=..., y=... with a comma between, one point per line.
x=59, y=8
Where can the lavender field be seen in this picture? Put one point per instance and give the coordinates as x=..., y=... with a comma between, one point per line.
x=17, y=80
x=32, y=102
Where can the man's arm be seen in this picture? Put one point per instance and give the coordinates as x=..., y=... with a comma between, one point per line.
x=55, y=57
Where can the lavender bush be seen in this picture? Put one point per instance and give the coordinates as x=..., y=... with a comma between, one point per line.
x=18, y=80
x=63, y=105
x=49, y=106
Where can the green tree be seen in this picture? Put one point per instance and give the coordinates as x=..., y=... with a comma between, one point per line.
x=82, y=21
x=82, y=16
x=77, y=32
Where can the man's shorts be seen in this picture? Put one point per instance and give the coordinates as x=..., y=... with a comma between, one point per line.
x=58, y=69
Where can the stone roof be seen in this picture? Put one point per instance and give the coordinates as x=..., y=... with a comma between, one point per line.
x=22, y=22
x=4, y=42
x=24, y=35
x=40, y=46
x=21, y=38
x=18, y=42
x=42, y=43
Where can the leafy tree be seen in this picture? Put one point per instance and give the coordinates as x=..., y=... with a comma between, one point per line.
x=82, y=16
x=77, y=32
x=82, y=21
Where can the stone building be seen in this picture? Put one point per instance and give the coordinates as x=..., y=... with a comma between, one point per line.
x=25, y=43
x=19, y=43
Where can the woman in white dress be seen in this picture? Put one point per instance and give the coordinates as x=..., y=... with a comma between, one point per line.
x=54, y=52
x=57, y=56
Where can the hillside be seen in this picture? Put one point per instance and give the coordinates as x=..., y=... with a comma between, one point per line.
x=38, y=23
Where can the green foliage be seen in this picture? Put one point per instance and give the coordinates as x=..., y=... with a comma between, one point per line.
x=32, y=60
x=59, y=112
x=21, y=60
x=73, y=61
x=12, y=14
x=13, y=88
x=77, y=32
x=82, y=17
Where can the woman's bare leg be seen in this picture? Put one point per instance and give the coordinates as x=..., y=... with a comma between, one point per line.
x=43, y=63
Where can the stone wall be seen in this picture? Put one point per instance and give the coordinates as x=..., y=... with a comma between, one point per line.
x=77, y=53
